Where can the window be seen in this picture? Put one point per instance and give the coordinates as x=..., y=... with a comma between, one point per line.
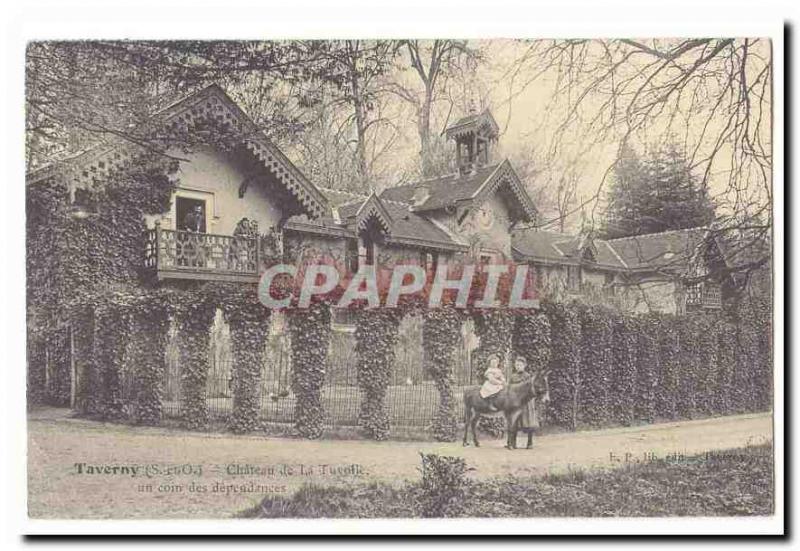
x=429, y=261
x=344, y=319
x=351, y=255
x=573, y=278
x=369, y=252
x=190, y=214
x=694, y=294
x=608, y=284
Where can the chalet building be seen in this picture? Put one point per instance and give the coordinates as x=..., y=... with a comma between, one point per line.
x=242, y=205
x=236, y=209
x=671, y=272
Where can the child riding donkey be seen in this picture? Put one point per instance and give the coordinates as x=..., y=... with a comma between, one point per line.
x=495, y=381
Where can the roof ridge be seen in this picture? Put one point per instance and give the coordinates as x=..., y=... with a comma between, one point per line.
x=346, y=192
x=419, y=182
x=394, y=202
x=551, y=232
x=615, y=253
x=442, y=177
x=659, y=233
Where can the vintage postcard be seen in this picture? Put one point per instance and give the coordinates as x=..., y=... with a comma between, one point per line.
x=400, y=278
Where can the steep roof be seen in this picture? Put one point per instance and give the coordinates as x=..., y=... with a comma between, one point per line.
x=656, y=251
x=443, y=191
x=560, y=248
x=467, y=191
x=407, y=227
x=665, y=250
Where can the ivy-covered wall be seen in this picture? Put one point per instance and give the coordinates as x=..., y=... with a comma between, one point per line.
x=74, y=263
x=248, y=320
x=607, y=368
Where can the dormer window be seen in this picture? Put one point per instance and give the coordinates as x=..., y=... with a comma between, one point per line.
x=421, y=195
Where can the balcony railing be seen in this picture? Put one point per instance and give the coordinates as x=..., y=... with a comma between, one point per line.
x=173, y=254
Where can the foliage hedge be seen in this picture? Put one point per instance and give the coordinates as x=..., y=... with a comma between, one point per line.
x=607, y=368
x=565, y=363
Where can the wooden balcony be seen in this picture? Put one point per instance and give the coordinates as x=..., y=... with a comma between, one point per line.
x=171, y=254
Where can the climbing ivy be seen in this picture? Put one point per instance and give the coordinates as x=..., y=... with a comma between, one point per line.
x=111, y=336
x=151, y=312
x=376, y=341
x=441, y=334
x=248, y=320
x=195, y=311
x=311, y=332
x=82, y=320
x=72, y=262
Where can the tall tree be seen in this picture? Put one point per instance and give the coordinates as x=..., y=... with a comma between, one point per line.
x=357, y=68
x=655, y=194
x=83, y=91
x=716, y=93
x=433, y=62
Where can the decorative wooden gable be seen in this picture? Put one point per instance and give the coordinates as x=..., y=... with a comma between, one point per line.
x=188, y=116
x=505, y=178
x=373, y=209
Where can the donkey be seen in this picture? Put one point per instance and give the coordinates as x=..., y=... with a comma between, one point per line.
x=509, y=403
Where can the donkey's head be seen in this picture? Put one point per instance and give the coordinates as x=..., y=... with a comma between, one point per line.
x=540, y=380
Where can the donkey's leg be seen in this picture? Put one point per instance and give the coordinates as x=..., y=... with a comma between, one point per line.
x=511, y=437
x=467, y=421
x=512, y=422
x=530, y=439
x=474, y=423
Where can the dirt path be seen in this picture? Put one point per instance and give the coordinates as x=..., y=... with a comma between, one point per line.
x=62, y=450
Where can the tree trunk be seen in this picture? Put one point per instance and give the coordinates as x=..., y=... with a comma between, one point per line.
x=425, y=133
x=361, y=131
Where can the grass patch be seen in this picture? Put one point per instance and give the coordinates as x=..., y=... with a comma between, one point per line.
x=724, y=483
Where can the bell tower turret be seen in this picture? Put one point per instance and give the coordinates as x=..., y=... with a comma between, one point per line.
x=475, y=136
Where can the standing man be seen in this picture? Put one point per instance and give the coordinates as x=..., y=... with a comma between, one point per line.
x=193, y=221
x=193, y=248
